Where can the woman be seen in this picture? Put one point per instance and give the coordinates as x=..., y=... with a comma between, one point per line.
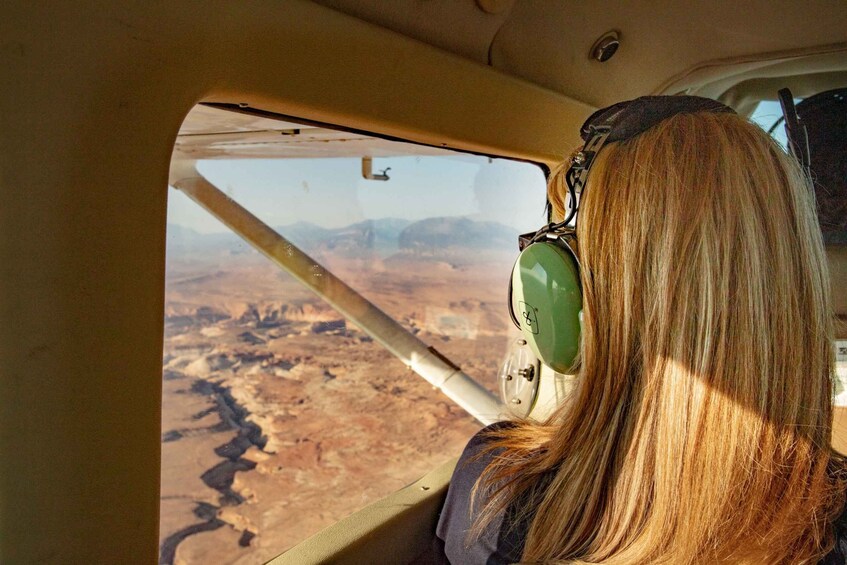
x=700, y=428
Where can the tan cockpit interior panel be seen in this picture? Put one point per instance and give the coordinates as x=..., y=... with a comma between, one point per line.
x=396, y=529
x=93, y=96
x=548, y=42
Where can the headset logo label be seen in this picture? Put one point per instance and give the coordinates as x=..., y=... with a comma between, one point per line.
x=528, y=317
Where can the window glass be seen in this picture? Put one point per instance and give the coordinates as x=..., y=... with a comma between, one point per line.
x=766, y=115
x=280, y=417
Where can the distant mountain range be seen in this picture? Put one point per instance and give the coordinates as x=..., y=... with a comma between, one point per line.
x=456, y=232
x=385, y=237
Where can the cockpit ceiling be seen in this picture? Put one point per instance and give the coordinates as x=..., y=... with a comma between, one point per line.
x=665, y=47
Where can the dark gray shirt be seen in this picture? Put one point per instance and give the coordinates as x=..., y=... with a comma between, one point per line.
x=503, y=539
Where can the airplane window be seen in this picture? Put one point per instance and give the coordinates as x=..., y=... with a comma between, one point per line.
x=280, y=416
x=768, y=115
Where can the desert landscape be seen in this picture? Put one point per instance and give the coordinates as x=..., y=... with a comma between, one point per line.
x=279, y=417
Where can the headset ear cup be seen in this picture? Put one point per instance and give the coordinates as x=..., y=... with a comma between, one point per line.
x=509, y=301
x=546, y=300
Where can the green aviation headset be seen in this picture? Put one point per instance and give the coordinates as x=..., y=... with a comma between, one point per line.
x=545, y=291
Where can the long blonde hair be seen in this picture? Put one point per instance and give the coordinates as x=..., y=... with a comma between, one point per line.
x=700, y=427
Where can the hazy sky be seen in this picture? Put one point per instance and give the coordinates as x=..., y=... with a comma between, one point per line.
x=332, y=193
x=766, y=114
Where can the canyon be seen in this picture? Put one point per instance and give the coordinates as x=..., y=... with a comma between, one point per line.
x=279, y=416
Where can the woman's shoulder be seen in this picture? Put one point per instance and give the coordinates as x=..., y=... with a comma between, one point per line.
x=476, y=456
x=496, y=544
x=476, y=446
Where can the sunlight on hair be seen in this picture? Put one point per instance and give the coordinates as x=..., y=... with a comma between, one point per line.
x=700, y=428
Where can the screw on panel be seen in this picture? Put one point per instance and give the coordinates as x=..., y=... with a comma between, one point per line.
x=605, y=47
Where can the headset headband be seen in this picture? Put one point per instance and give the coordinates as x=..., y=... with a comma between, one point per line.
x=623, y=121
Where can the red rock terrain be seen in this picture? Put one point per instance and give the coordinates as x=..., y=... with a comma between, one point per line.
x=279, y=418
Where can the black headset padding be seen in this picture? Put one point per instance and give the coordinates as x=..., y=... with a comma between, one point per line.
x=628, y=119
